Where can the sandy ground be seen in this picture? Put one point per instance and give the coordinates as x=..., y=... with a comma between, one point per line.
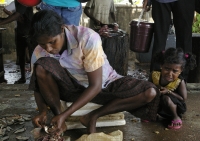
x=15, y=99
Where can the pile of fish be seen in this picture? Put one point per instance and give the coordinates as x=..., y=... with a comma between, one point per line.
x=15, y=124
x=43, y=134
x=49, y=137
x=109, y=30
x=9, y=120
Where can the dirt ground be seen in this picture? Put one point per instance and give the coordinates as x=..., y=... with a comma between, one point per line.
x=16, y=99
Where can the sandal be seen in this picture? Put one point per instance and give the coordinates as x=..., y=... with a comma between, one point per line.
x=175, y=124
x=20, y=81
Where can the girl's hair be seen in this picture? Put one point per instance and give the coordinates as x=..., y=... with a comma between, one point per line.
x=176, y=56
x=45, y=22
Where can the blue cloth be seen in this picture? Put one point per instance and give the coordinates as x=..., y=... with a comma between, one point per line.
x=166, y=1
x=70, y=15
x=62, y=3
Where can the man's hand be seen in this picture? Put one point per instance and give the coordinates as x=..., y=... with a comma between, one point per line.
x=39, y=120
x=97, y=22
x=58, y=124
x=20, y=19
x=146, y=5
x=1, y=19
x=131, y=2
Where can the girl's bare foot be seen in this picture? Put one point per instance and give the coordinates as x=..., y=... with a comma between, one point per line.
x=89, y=122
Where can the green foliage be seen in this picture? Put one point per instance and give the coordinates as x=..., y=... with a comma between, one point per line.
x=196, y=24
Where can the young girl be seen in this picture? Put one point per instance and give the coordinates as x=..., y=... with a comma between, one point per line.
x=171, y=84
x=70, y=65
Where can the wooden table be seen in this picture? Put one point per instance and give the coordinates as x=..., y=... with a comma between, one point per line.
x=2, y=79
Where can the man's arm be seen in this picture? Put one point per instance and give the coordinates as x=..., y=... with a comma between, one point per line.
x=146, y=5
x=87, y=13
x=7, y=12
x=113, y=16
x=10, y=19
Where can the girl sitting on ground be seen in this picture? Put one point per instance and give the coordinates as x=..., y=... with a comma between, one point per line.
x=171, y=85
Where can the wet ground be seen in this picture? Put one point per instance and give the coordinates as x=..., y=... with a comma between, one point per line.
x=12, y=71
x=16, y=99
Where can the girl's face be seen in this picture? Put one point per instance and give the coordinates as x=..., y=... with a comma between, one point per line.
x=52, y=45
x=170, y=72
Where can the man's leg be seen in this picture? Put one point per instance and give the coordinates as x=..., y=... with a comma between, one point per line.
x=161, y=13
x=48, y=95
x=117, y=105
x=21, y=49
x=48, y=89
x=17, y=59
x=183, y=13
x=72, y=15
x=49, y=74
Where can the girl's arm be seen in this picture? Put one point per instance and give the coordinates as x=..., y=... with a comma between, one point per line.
x=182, y=91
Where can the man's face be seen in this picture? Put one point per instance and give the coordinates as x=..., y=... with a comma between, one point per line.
x=52, y=45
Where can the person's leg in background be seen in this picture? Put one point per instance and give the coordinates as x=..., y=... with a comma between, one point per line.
x=71, y=15
x=27, y=56
x=21, y=49
x=31, y=46
x=183, y=13
x=17, y=56
x=161, y=14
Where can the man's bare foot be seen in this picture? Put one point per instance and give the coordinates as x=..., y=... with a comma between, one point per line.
x=89, y=122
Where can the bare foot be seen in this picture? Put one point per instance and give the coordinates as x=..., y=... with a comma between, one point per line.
x=89, y=122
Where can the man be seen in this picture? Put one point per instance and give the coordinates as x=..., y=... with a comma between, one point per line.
x=183, y=14
x=69, y=10
x=100, y=11
x=23, y=16
x=197, y=6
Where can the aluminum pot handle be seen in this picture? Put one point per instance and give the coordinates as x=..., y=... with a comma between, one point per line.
x=140, y=17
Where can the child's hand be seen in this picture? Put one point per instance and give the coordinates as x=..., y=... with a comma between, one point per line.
x=163, y=90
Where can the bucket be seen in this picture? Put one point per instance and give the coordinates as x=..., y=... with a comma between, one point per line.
x=141, y=34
